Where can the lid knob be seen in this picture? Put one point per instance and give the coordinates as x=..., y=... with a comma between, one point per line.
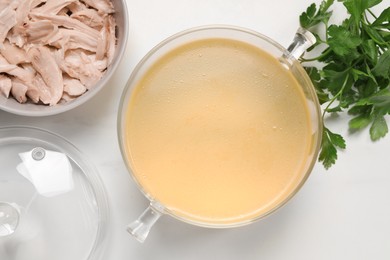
x=38, y=153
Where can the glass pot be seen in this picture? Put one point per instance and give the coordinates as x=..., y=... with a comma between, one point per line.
x=288, y=58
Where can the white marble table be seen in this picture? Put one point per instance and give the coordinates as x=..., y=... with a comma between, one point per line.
x=343, y=213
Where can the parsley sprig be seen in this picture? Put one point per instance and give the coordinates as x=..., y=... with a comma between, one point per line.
x=352, y=72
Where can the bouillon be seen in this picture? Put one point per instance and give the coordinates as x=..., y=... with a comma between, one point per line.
x=218, y=131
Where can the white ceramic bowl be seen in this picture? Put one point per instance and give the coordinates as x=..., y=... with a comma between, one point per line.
x=30, y=109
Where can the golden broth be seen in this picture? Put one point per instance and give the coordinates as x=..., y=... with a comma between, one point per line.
x=218, y=131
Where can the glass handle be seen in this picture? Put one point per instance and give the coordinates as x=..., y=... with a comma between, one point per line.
x=9, y=218
x=303, y=40
x=141, y=227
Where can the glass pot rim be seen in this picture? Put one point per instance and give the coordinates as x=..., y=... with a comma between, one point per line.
x=127, y=93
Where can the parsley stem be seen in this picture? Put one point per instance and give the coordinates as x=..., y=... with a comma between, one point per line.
x=366, y=18
x=373, y=15
x=340, y=93
x=326, y=52
x=326, y=31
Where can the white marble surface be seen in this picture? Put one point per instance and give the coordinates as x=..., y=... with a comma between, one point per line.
x=343, y=213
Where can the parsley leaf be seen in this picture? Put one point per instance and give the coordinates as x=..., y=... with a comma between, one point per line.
x=381, y=101
x=359, y=122
x=383, y=17
x=313, y=17
x=343, y=42
x=378, y=128
x=330, y=141
x=382, y=68
x=357, y=7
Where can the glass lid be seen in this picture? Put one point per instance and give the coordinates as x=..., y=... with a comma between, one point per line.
x=52, y=202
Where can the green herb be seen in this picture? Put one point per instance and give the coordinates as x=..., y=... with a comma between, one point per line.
x=355, y=69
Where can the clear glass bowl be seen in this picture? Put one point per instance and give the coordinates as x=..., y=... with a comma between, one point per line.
x=52, y=202
x=303, y=39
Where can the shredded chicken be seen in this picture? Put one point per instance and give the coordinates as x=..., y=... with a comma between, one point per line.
x=7, y=21
x=40, y=31
x=45, y=64
x=14, y=70
x=33, y=93
x=77, y=7
x=73, y=86
x=52, y=6
x=15, y=37
x=5, y=85
x=43, y=89
x=13, y=54
x=8, y=3
x=52, y=51
x=102, y=43
x=22, y=11
x=7, y=68
x=67, y=22
x=35, y=3
x=72, y=39
x=64, y=11
x=103, y=6
x=111, y=40
x=89, y=17
x=19, y=90
x=78, y=65
x=67, y=98
x=29, y=67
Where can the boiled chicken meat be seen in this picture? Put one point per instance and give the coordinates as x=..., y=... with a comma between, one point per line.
x=52, y=51
x=89, y=17
x=35, y=3
x=16, y=71
x=40, y=32
x=111, y=39
x=103, y=6
x=5, y=85
x=73, y=87
x=19, y=90
x=13, y=54
x=52, y=6
x=43, y=89
x=12, y=4
x=67, y=22
x=7, y=21
x=72, y=39
x=79, y=66
x=45, y=64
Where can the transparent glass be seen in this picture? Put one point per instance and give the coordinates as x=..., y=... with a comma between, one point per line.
x=302, y=40
x=52, y=202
